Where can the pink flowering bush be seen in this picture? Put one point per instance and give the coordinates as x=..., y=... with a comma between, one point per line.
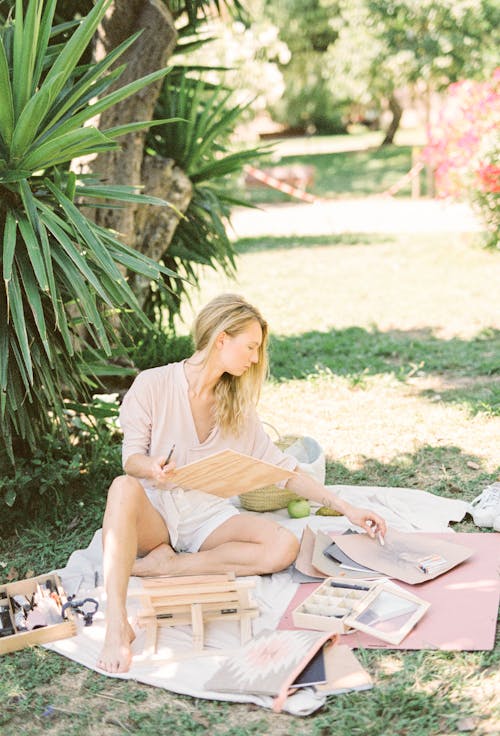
x=486, y=195
x=464, y=147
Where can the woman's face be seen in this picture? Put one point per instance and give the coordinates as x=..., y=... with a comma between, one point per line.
x=238, y=352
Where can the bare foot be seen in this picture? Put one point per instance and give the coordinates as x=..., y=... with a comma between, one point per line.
x=160, y=561
x=116, y=655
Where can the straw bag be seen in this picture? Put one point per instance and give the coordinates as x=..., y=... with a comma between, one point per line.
x=311, y=459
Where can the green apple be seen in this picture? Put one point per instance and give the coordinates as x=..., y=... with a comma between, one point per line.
x=298, y=508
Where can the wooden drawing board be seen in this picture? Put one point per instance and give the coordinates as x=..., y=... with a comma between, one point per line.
x=228, y=473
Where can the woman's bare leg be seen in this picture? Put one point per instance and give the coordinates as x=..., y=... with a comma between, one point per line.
x=244, y=544
x=131, y=525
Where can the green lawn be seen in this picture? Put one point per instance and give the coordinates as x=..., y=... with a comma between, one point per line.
x=387, y=350
x=344, y=166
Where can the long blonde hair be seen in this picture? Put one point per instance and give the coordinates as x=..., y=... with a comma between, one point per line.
x=234, y=395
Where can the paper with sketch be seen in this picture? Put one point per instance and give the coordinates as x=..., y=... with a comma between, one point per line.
x=404, y=555
x=228, y=473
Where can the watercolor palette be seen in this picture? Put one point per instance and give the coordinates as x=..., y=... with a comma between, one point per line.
x=329, y=605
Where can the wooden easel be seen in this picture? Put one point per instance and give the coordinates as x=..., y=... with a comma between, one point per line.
x=195, y=599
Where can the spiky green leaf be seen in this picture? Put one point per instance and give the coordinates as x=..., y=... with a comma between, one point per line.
x=9, y=245
x=21, y=332
x=31, y=118
x=66, y=147
x=132, y=127
x=34, y=251
x=7, y=105
x=43, y=39
x=112, y=99
x=34, y=301
x=74, y=48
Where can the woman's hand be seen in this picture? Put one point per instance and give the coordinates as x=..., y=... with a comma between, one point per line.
x=160, y=471
x=367, y=520
x=306, y=486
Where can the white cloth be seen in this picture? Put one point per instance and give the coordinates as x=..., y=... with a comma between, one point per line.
x=404, y=509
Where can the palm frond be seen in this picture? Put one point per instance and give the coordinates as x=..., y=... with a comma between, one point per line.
x=199, y=143
x=64, y=284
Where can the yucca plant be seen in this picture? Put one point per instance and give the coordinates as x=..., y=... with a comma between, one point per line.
x=204, y=117
x=198, y=10
x=63, y=276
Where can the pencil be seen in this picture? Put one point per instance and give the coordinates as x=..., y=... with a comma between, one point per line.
x=349, y=586
x=169, y=456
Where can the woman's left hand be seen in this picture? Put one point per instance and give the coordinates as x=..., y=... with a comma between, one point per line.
x=368, y=520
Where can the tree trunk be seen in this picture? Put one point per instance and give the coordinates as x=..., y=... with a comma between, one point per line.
x=144, y=227
x=155, y=226
x=397, y=112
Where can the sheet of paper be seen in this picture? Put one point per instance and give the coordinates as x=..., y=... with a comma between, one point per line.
x=344, y=673
x=331, y=568
x=335, y=553
x=402, y=553
x=304, y=563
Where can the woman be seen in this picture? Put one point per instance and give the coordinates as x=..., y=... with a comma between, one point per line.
x=198, y=406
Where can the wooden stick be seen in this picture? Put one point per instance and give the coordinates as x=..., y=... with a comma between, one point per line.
x=198, y=626
x=188, y=579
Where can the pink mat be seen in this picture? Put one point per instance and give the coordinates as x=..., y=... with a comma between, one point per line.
x=464, y=603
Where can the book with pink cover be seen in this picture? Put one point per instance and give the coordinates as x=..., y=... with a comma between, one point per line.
x=228, y=473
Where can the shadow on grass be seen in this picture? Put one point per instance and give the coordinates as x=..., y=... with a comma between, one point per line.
x=264, y=243
x=442, y=469
x=477, y=396
x=356, y=352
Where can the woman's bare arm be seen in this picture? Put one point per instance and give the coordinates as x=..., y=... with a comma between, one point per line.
x=154, y=469
x=306, y=486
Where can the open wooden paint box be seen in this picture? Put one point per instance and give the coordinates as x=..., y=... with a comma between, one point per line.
x=380, y=608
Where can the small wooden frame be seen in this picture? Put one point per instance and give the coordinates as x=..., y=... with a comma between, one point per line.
x=51, y=632
x=388, y=613
x=195, y=600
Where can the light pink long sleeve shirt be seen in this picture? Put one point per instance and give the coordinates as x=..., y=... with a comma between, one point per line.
x=156, y=414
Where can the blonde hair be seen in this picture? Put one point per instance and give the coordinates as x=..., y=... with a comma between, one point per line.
x=234, y=395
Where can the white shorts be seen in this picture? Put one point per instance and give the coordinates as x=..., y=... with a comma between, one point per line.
x=191, y=516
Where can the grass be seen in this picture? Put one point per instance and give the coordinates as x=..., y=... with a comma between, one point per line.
x=344, y=173
x=387, y=350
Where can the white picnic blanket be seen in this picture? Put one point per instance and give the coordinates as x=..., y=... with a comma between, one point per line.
x=174, y=667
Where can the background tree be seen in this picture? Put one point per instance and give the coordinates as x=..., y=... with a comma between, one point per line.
x=425, y=46
x=310, y=30
x=347, y=52
x=162, y=26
